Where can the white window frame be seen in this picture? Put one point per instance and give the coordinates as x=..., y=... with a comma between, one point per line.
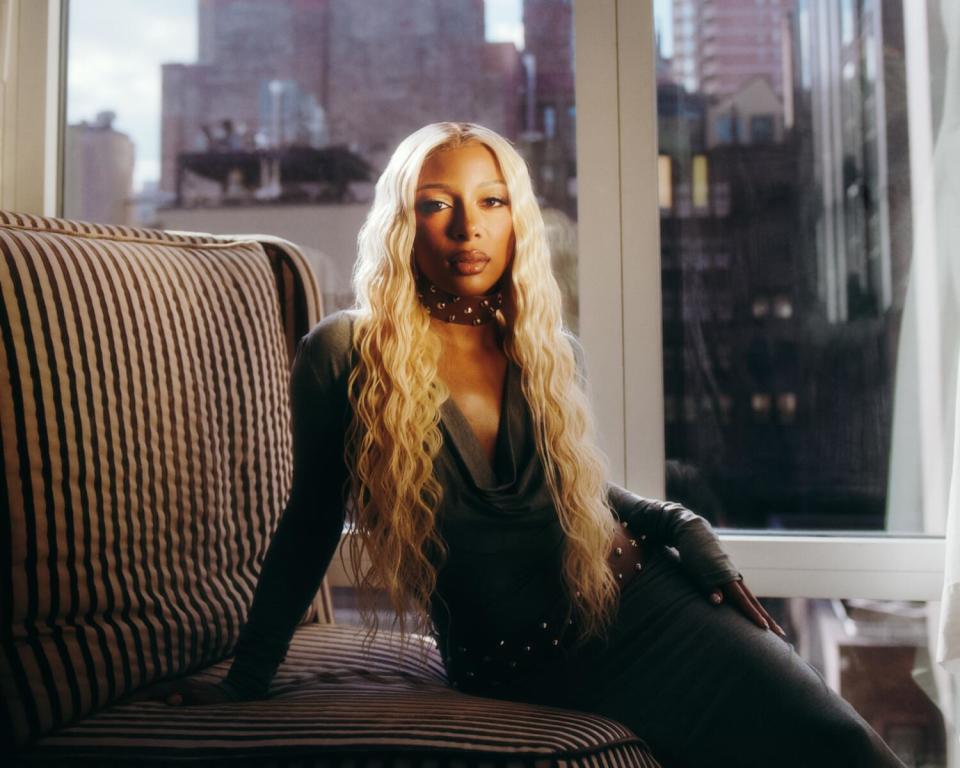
x=32, y=58
x=619, y=228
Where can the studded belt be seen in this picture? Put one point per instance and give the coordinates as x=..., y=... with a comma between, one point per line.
x=491, y=666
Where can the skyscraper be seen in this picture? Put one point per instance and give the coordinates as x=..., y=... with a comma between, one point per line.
x=350, y=68
x=98, y=177
x=719, y=44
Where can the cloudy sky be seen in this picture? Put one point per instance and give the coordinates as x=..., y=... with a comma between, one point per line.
x=116, y=48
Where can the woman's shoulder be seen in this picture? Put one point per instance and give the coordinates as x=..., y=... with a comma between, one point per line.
x=334, y=333
x=328, y=346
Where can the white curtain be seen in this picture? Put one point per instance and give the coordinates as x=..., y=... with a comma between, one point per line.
x=947, y=186
x=946, y=176
x=924, y=487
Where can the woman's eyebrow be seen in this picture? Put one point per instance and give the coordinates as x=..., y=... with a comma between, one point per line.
x=446, y=187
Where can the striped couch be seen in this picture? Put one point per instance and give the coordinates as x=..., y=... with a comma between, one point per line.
x=146, y=457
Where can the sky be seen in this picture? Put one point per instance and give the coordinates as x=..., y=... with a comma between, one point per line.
x=116, y=47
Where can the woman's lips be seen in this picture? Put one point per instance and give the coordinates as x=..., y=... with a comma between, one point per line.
x=469, y=262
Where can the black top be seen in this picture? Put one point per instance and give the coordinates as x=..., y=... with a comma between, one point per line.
x=503, y=536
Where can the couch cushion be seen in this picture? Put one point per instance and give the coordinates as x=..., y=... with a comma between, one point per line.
x=144, y=430
x=333, y=703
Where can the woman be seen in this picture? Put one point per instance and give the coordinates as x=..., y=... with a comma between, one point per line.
x=448, y=413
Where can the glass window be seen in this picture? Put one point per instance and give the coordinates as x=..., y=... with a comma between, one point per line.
x=665, y=182
x=276, y=116
x=761, y=128
x=723, y=128
x=794, y=169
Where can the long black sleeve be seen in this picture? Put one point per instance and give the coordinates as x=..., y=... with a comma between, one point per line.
x=672, y=524
x=312, y=521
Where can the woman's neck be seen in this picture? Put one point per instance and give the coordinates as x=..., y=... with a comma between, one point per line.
x=473, y=339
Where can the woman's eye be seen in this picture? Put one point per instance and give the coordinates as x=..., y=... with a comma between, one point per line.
x=494, y=202
x=431, y=206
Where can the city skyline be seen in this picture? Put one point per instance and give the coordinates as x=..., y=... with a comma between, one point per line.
x=120, y=73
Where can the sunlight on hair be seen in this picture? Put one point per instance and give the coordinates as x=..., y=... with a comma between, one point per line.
x=395, y=393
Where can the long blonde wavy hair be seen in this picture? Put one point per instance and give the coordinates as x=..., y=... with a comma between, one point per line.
x=395, y=394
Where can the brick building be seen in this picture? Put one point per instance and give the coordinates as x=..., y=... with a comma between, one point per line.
x=718, y=44
x=362, y=79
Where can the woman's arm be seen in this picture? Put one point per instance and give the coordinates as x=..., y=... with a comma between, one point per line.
x=312, y=521
x=672, y=524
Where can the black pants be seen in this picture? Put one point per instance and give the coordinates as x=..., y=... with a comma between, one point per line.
x=705, y=686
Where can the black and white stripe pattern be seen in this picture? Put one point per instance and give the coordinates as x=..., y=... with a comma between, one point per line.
x=332, y=704
x=144, y=429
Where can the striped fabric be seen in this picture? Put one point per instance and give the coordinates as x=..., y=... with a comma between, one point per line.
x=144, y=429
x=146, y=457
x=333, y=703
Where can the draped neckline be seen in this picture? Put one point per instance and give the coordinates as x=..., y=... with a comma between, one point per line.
x=484, y=474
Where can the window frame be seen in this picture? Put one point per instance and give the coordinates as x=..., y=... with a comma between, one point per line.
x=617, y=146
x=33, y=38
x=619, y=235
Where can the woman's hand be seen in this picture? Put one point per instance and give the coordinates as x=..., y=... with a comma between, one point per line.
x=187, y=693
x=194, y=693
x=737, y=593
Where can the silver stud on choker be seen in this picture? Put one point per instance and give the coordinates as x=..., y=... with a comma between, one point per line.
x=463, y=310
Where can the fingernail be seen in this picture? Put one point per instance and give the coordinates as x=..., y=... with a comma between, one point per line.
x=715, y=597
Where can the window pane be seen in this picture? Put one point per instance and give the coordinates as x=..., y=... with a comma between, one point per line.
x=276, y=116
x=786, y=236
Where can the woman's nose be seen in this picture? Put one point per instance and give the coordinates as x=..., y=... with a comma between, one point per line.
x=464, y=225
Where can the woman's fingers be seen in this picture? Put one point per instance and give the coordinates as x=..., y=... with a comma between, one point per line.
x=738, y=597
x=741, y=596
x=763, y=611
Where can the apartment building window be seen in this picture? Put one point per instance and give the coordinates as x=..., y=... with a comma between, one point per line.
x=761, y=128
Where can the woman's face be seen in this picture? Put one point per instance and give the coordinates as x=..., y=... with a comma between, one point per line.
x=464, y=240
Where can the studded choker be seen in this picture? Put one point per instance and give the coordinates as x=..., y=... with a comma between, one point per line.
x=463, y=310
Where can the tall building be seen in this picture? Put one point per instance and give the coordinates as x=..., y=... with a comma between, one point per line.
x=719, y=44
x=549, y=114
x=844, y=125
x=344, y=74
x=98, y=173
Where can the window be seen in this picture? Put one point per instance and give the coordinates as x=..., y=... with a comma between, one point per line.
x=723, y=128
x=801, y=258
x=277, y=116
x=700, y=185
x=665, y=181
x=761, y=128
